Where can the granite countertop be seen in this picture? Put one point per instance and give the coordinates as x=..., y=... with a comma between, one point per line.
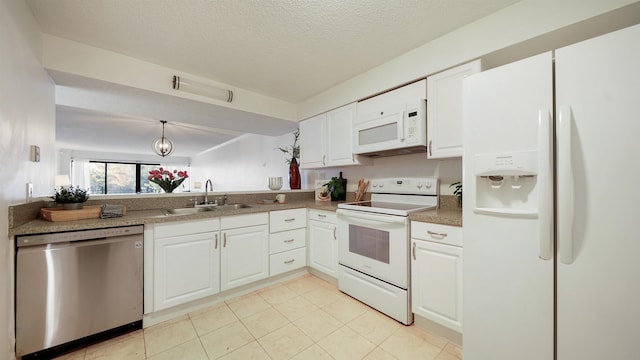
x=140, y=217
x=447, y=216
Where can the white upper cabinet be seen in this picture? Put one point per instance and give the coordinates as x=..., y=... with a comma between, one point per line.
x=327, y=140
x=444, y=110
x=312, y=142
x=339, y=142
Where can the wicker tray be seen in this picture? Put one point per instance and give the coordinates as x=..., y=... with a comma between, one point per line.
x=59, y=214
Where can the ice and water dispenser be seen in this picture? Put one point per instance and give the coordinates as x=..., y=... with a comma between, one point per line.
x=505, y=183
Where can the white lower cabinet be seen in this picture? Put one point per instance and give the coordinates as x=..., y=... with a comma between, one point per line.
x=287, y=240
x=323, y=242
x=286, y=261
x=244, y=254
x=436, y=273
x=186, y=262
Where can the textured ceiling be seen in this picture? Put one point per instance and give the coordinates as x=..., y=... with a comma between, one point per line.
x=287, y=49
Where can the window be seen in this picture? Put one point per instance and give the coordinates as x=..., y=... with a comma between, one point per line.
x=121, y=178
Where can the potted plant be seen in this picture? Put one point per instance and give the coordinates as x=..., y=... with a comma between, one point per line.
x=71, y=197
x=337, y=189
x=458, y=191
x=293, y=153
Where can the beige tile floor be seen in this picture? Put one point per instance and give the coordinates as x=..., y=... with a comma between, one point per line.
x=304, y=318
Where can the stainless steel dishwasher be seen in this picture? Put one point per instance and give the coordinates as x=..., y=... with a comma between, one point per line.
x=72, y=285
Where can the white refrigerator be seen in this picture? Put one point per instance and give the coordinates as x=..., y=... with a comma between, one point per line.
x=551, y=190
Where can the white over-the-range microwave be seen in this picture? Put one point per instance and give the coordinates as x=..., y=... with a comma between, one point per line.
x=392, y=130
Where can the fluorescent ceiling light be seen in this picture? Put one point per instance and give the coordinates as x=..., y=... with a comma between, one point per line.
x=190, y=86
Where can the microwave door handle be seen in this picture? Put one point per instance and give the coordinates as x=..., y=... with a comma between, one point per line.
x=401, y=125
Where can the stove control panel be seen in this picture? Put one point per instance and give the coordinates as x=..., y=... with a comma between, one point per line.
x=410, y=185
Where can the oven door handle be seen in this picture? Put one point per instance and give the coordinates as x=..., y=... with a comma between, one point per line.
x=371, y=218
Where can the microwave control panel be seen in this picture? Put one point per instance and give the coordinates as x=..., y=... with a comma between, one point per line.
x=412, y=129
x=413, y=125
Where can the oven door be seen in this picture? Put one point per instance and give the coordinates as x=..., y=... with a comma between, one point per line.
x=375, y=244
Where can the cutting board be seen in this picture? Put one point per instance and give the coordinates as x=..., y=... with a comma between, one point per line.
x=60, y=214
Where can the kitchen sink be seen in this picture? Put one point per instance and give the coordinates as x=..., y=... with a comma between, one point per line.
x=195, y=210
x=232, y=207
x=187, y=211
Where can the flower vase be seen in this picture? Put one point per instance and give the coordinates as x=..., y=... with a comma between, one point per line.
x=294, y=175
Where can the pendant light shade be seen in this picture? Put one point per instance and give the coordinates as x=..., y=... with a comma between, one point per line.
x=163, y=146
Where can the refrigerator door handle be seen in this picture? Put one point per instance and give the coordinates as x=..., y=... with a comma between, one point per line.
x=545, y=184
x=565, y=186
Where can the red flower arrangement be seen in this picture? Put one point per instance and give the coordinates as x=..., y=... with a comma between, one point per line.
x=166, y=179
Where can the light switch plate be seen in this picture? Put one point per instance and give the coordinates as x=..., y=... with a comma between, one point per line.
x=29, y=192
x=35, y=153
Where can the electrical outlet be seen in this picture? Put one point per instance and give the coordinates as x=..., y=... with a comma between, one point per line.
x=197, y=185
x=29, y=192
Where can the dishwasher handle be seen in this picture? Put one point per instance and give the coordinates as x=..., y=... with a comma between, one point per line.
x=137, y=243
x=73, y=236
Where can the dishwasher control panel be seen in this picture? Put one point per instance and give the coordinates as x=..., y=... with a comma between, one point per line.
x=82, y=235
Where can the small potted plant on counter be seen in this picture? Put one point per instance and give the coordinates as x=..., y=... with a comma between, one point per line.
x=337, y=189
x=71, y=197
x=458, y=191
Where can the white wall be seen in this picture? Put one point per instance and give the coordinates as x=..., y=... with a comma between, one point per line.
x=246, y=163
x=243, y=164
x=27, y=117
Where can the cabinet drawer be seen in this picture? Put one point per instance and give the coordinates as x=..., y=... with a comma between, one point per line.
x=320, y=215
x=444, y=234
x=185, y=227
x=286, y=240
x=282, y=220
x=240, y=221
x=287, y=261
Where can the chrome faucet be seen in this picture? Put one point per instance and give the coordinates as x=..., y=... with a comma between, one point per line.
x=207, y=185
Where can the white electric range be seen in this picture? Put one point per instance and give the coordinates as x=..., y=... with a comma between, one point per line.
x=373, y=243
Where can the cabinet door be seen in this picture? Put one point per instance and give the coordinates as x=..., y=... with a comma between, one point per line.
x=186, y=268
x=323, y=247
x=339, y=140
x=244, y=256
x=312, y=142
x=444, y=110
x=436, y=278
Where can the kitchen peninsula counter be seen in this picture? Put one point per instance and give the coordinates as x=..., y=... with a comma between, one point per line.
x=445, y=216
x=141, y=217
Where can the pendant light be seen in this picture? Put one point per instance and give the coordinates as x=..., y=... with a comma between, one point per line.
x=162, y=146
